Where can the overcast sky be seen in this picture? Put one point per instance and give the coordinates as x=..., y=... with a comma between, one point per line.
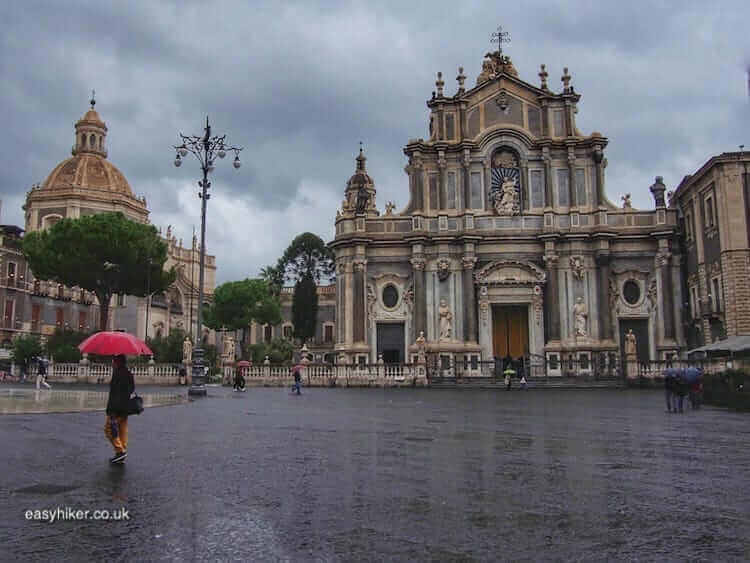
x=300, y=84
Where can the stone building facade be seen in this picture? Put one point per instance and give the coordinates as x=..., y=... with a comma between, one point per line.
x=85, y=184
x=508, y=245
x=321, y=346
x=714, y=205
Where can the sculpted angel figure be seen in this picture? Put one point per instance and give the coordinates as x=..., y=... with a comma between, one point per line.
x=445, y=320
x=580, y=312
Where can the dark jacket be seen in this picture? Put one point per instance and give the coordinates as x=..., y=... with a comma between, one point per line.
x=120, y=389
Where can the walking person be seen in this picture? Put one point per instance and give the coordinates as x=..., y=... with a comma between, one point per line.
x=41, y=374
x=296, y=371
x=508, y=380
x=523, y=382
x=121, y=387
x=680, y=390
x=669, y=387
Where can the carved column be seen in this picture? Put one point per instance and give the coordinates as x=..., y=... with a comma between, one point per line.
x=599, y=176
x=420, y=304
x=340, y=303
x=665, y=292
x=487, y=183
x=552, y=298
x=523, y=183
x=547, y=177
x=470, y=304
x=360, y=317
x=572, y=177
x=465, y=164
x=441, y=180
x=605, y=320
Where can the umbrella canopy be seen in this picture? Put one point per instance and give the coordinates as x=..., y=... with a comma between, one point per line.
x=114, y=343
x=243, y=364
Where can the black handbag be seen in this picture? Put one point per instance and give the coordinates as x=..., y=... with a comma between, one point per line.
x=135, y=405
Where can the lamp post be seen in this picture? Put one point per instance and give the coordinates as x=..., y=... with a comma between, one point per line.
x=205, y=149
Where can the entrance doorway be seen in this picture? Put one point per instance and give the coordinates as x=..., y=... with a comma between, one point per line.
x=391, y=342
x=510, y=331
x=640, y=329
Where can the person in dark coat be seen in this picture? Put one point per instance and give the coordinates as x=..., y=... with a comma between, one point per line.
x=669, y=388
x=121, y=387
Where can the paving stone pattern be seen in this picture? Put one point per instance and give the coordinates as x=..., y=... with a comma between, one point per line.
x=386, y=475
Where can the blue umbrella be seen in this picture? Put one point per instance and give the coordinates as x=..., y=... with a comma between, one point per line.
x=691, y=375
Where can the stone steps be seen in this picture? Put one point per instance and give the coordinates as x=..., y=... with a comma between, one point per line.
x=542, y=383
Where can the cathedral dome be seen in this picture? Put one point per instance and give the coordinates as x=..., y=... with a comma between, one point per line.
x=87, y=171
x=89, y=168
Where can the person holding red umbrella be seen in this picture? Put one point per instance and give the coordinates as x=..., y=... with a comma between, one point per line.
x=121, y=387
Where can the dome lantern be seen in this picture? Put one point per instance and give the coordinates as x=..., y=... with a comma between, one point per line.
x=91, y=133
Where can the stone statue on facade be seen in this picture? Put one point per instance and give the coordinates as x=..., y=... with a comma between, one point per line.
x=187, y=350
x=506, y=200
x=631, y=355
x=445, y=320
x=626, y=203
x=580, y=314
x=389, y=207
x=630, y=344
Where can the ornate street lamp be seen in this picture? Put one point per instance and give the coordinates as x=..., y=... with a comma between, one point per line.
x=205, y=149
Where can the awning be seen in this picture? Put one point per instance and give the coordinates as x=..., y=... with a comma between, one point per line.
x=733, y=345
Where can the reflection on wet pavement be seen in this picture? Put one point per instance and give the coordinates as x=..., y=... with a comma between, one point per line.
x=387, y=475
x=33, y=401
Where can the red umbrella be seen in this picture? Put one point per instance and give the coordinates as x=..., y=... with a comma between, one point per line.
x=114, y=343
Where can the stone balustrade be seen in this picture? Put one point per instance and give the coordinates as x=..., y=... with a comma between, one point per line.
x=328, y=375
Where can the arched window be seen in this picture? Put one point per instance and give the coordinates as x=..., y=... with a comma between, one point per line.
x=92, y=141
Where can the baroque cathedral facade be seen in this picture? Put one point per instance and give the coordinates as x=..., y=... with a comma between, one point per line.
x=508, y=246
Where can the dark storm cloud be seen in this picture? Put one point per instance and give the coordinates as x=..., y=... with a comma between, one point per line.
x=300, y=84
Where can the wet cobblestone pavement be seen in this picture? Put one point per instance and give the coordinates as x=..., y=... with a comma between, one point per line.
x=386, y=475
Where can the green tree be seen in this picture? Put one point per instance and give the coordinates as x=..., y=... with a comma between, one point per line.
x=62, y=345
x=274, y=277
x=105, y=253
x=279, y=351
x=236, y=304
x=307, y=255
x=167, y=350
x=305, y=308
x=24, y=349
x=307, y=261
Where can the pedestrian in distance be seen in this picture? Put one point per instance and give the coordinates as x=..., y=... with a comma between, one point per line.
x=669, y=387
x=121, y=387
x=508, y=380
x=680, y=390
x=523, y=382
x=239, y=380
x=296, y=372
x=41, y=374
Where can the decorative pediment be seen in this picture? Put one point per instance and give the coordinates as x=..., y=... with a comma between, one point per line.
x=510, y=272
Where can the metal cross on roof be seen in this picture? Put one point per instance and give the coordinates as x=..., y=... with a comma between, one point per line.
x=500, y=37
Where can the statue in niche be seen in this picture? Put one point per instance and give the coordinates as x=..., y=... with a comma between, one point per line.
x=580, y=314
x=187, y=350
x=446, y=317
x=504, y=192
x=630, y=345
